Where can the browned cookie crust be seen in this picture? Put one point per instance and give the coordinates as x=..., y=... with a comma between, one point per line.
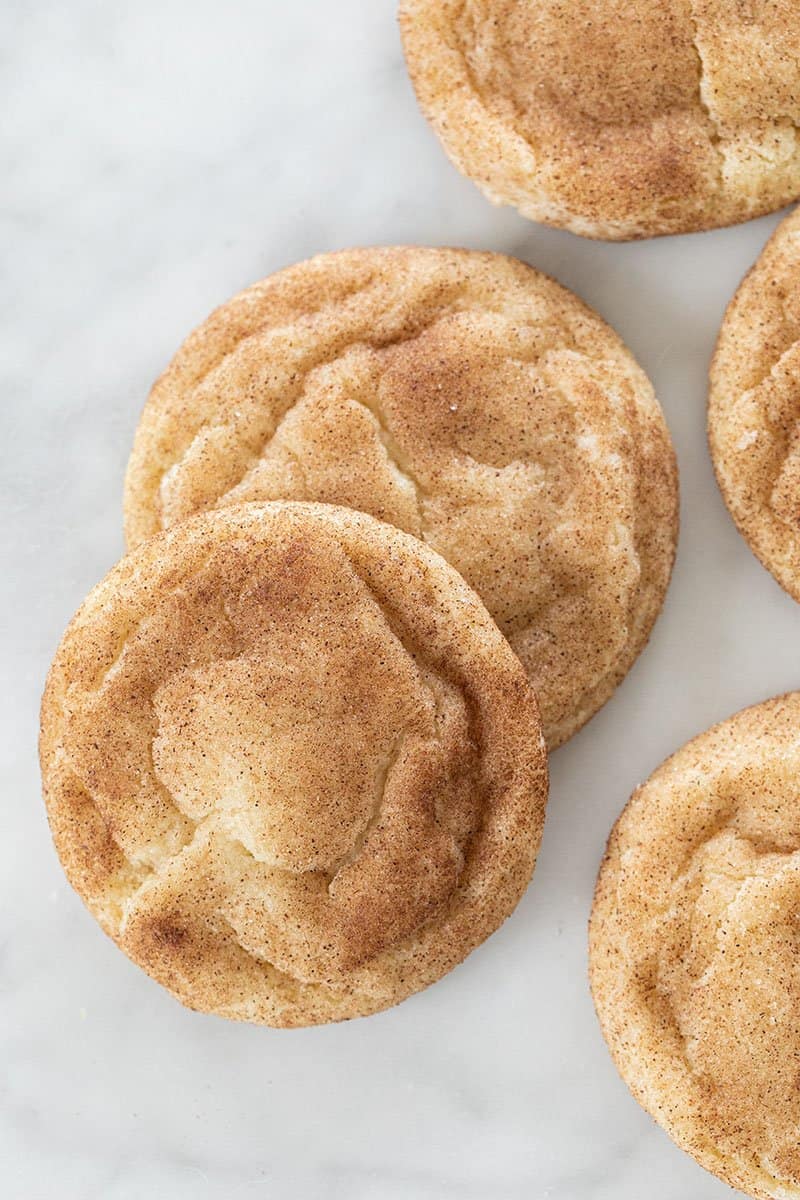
x=465, y=398
x=754, y=407
x=613, y=119
x=695, y=948
x=290, y=763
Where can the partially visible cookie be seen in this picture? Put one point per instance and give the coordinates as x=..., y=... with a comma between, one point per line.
x=463, y=397
x=290, y=763
x=695, y=948
x=754, y=407
x=612, y=119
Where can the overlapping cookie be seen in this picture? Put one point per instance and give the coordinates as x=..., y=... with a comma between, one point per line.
x=291, y=764
x=463, y=397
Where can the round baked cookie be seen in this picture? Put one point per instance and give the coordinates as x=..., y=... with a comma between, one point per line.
x=290, y=763
x=466, y=399
x=695, y=948
x=754, y=407
x=615, y=120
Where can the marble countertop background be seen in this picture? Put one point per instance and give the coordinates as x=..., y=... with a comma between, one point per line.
x=157, y=157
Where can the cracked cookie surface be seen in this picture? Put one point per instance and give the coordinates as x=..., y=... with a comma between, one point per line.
x=466, y=399
x=695, y=948
x=610, y=119
x=754, y=406
x=290, y=763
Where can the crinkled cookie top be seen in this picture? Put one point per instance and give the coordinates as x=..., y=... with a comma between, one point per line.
x=754, y=409
x=466, y=399
x=290, y=763
x=613, y=119
x=695, y=948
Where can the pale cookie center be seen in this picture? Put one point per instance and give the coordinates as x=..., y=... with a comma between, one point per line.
x=246, y=741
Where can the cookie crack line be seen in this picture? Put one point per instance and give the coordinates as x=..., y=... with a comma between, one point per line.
x=375, y=816
x=401, y=337
x=394, y=454
x=415, y=654
x=317, y=363
x=310, y=315
x=411, y=648
x=133, y=626
x=398, y=460
x=269, y=967
x=127, y=899
x=512, y=121
x=513, y=125
x=770, y=373
x=725, y=823
x=295, y=983
x=715, y=133
x=762, y=849
x=147, y=875
x=396, y=457
x=153, y=874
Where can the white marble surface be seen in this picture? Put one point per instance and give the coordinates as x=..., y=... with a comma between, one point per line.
x=156, y=157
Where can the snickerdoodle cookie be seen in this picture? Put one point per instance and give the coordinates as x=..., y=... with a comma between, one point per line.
x=695, y=948
x=612, y=119
x=291, y=764
x=754, y=408
x=461, y=396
